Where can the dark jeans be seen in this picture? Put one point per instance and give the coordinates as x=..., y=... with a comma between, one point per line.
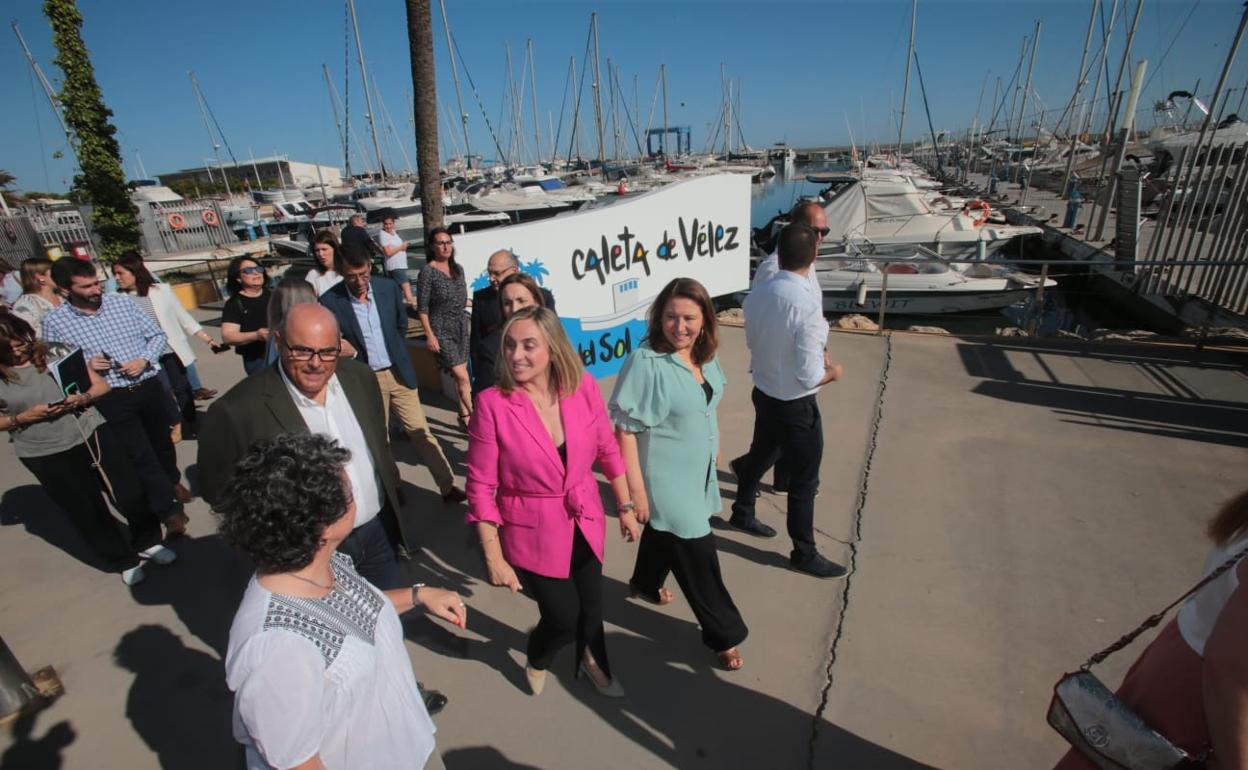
x=571, y=608
x=140, y=422
x=695, y=563
x=795, y=429
x=253, y=365
x=372, y=550
x=174, y=376
x=71, y=480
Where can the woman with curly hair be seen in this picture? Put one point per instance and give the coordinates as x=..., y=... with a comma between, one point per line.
x=316, y=659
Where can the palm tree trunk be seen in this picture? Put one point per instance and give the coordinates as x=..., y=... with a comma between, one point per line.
x=424, y=87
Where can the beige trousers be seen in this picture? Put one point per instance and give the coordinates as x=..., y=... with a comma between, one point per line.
x=404, y=402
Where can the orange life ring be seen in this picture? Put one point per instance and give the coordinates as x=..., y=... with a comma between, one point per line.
x=176, y=221
x=982, y=207
x=209, y=216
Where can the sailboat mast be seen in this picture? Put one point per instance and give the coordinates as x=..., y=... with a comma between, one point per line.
x=537, y=123
x=1074, y=100
x=216, y=148
x=905, y=88
x=48, y=91
x=663, y=77
x=333, y=106
x=368, y=99
x=459, y=98
x=602, y=158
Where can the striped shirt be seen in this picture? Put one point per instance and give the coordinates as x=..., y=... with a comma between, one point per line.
x=118, y=329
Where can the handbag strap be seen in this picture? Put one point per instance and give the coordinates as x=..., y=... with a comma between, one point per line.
x=1153, y=620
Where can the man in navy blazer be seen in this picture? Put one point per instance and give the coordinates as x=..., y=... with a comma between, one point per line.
x=373, y=319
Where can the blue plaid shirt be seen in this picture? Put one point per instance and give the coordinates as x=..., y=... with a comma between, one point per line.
x=119, y=328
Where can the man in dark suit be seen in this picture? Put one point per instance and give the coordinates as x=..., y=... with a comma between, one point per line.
x=485, y=328
x=373, y=319
x=312, y=390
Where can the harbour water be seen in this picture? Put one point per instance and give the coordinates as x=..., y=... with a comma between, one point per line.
x=1076, y=305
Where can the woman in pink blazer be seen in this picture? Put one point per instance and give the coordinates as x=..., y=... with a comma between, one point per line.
x=532, y=444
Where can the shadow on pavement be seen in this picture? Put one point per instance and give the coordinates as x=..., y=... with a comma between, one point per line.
x=481, y=758
x=43, y=753
x=204, y=587
x=178, y=704
x=1175, y=410
x=29, y=506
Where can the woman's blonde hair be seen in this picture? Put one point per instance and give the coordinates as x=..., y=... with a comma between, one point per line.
x=565, y=365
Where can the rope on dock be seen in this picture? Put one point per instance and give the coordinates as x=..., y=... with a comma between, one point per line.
x=855, y=537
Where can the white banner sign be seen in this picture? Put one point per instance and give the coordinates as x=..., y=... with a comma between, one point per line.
x=605, y=266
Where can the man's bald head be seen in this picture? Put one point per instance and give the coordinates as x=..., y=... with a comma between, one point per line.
x=502, y=264
x=309, y=343
x=811, y=214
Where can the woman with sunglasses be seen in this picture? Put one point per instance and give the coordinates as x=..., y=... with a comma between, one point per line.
x=244, y=319
x=441, y=296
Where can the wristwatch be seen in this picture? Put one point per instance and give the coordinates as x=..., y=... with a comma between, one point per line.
x=415, y=590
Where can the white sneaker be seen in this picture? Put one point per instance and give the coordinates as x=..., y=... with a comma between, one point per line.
x=158, y=554
x=132, y=576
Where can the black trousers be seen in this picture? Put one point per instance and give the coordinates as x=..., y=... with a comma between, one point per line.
x=571, y=608
x=71, y=480
x=695, y=563
x=140, y=421
x=795, y=429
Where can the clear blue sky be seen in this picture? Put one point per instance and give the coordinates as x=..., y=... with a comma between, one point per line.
x=803, y=68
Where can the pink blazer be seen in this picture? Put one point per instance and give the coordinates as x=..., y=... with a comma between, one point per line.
x=517, y=480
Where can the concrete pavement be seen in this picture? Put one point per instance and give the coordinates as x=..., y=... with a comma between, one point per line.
x=1007, y=509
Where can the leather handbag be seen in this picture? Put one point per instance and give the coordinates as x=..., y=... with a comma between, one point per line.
x=1104, y=729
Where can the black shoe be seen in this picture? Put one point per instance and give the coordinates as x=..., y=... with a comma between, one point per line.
x=752, y=525
x=454, y=495
x=816, y=565
x=434, y=700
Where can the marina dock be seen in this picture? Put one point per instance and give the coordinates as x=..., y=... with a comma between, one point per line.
x=1006, y=507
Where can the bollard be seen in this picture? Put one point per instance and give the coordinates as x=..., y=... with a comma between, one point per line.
x=17, y=689
x=1072, y=207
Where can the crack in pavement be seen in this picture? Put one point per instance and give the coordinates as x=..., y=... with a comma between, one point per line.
x=856, y=537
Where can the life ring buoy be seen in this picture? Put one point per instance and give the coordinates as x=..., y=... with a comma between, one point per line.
x=176, y=221
x=209, y=216
x=982, y=207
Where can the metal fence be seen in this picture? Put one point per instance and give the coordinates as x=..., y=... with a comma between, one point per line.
x=1201, y=233
x=171, y=228
x=35, y=233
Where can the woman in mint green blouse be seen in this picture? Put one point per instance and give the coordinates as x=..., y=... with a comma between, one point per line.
x=663, y=408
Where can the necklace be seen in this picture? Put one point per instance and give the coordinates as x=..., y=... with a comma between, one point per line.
x=329, y=587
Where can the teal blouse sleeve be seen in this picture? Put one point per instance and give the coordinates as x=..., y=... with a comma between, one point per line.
x=640, y=400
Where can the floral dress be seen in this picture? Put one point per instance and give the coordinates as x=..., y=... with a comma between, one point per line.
x=444, y=298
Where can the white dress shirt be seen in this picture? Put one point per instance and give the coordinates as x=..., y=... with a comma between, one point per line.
x=786, y=333
x=768, y=268
x=336, y=420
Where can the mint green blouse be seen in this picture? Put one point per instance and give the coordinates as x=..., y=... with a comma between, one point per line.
x=657, y=398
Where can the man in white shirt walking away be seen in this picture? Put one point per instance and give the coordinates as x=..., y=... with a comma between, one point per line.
x=786, y=333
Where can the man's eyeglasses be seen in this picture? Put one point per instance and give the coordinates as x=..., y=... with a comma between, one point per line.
x=444, y=243
x=251, y=270
x=823, y=231
x=300, y=353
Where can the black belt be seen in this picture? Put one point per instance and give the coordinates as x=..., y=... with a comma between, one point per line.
x=135, y=386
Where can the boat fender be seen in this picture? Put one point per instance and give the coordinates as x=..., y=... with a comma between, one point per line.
x=980, y=206
x=277, y=214
x=209, y=216
x=176, y=221
x=862, y=293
